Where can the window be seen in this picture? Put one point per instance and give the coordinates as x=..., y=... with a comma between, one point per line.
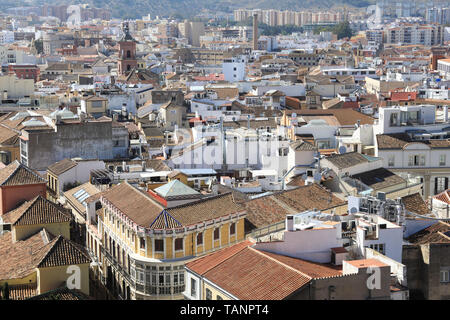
x=200, y=238
x=216, y=233
x=233, y=229
x=178, y=244
x=442, y=159
x=378, y=247
x=208, y=294
x=416, y=160
x=219, y=297
x=142, y=243
x=193, y=287
x=391, y=161
x=445, y=275
x=440, y=184
x=394, y=119
x=159, y=245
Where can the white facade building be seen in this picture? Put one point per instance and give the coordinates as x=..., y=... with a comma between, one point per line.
x=379, y=234
x=412, y=140
x=234, y=68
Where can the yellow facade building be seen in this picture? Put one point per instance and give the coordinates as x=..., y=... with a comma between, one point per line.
x=146, y=245
x=35, y=238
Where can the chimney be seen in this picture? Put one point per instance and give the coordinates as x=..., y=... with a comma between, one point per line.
x=289, y=223
x=255, y=32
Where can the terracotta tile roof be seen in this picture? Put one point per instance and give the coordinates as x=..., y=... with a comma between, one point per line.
x=23, y=255
x=18, y=174
x=37, y=211
x=37, y=251
x=403, y=96
x=433, y=234
x=400, y=140
x=296, y=181
x=62, y=293
x=347, y=160
x=64, y=252
x=272, y=209
x=365, y=263
x=312, y=269
x=443, y=196
x=301, y=145
x=415, y=203
x=205, y=209
x=380, y=178
x=134, y=203
x=250, y=274
x=203, y=264
x=346, y=117
x=309, y=197
x=8, y=136
x=61, y=166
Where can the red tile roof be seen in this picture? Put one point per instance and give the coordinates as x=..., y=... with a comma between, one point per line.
x=365, y=263
x=403, y=96
x=206, y=263
x=252, y=275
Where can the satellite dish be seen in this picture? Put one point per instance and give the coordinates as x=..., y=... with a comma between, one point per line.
x=353, y=210
x=342, y=150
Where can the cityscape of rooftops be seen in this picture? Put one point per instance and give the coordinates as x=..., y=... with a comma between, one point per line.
x=224, y=150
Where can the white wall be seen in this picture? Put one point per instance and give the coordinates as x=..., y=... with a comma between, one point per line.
x=313, y=245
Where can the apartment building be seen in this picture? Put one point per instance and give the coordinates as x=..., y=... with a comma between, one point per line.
x=145, y=245
x=412, y=140
x=428, y=35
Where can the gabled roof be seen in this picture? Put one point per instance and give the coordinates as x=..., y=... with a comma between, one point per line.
x=137, y=205
x=401, y=140
x=415, y=203
x=251, y=274
x=175, y=188
x=62, y=293
x=301, y=145
x=205, y=209
x=203, y=264
x=18, y=174
x=62, y=253
x=380, y=178
x=347, y=160
x=62, y=166
x=273, y=208
x=436, y=233
x=40, y=250
x=37, y=211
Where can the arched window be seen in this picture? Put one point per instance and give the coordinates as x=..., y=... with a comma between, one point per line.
x=128, y=54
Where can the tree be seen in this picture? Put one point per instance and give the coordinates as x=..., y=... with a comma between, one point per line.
x=343, y=30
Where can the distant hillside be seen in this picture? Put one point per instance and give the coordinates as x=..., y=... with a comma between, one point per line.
x=188, y=8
